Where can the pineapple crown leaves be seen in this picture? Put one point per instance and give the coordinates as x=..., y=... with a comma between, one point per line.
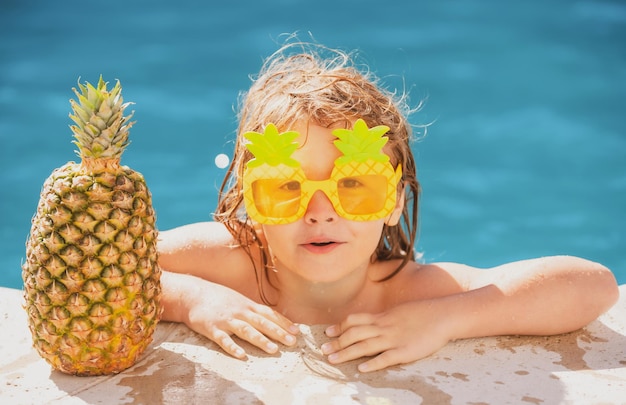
x=101, y=129
x=272, y=147
x=361, y=143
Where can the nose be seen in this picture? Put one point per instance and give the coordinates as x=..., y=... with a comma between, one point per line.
x=320, y=209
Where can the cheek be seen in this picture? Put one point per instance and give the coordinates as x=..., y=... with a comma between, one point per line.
x=368, y=233
x=361, y=251
x=278, y=236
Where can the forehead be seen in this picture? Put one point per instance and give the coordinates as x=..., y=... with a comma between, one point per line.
x=317, y=151
x=311, y=132
x=317, y=140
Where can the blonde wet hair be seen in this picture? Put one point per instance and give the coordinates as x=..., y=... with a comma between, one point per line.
x=305, y=82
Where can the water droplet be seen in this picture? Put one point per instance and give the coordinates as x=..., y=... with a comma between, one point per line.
x=221, y=161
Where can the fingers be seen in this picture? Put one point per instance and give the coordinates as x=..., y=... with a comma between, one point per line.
x=364, y=335
x=274, y=325
x=364, y=341
x=357, y=338
x=356, y=328
x=357, y=343
x=383, y=360
x=259, y=326
x=250, y=334
x=350, y=322
x=227, y=344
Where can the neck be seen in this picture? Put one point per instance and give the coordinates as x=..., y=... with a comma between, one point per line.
x=309, y=302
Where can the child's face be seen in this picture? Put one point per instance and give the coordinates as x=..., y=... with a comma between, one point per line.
x=322, y=246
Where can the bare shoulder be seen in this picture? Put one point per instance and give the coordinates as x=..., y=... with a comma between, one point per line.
x=206, y=250
x=430, y=280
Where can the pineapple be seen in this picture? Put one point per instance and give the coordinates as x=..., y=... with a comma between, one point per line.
x=91, y=279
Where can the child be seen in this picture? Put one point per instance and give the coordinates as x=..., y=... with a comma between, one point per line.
x=316, y=223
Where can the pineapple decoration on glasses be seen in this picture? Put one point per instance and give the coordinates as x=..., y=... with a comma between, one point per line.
x=91, y=278
x=361, y=187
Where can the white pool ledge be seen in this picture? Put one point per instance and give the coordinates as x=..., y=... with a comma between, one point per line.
x=180, y=367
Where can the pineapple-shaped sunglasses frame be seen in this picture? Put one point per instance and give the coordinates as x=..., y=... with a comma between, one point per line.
x=362, y=158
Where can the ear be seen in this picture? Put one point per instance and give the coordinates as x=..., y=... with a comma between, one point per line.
x=394, y=217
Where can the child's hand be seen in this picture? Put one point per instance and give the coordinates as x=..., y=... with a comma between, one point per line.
x=218, y=312
x=403, y=334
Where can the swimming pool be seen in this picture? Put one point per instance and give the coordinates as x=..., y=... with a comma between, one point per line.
x=526, y=154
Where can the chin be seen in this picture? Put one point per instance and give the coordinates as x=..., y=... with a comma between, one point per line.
x=314, y=276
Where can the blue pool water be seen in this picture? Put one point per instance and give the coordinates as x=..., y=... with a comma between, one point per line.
x=526, y=156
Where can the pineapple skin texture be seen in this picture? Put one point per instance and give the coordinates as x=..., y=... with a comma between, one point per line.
x=91, y=278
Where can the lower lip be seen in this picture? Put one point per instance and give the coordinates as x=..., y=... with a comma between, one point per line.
x=320, y=249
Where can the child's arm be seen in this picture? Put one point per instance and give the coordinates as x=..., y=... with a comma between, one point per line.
x=201, y=270
x=219, y=312
x=534, y=297
x=204, y=249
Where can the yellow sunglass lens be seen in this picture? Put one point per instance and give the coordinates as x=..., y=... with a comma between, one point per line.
x=276, y=198
x=362, y=195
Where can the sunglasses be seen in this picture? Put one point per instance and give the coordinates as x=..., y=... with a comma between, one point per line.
x=362, y=185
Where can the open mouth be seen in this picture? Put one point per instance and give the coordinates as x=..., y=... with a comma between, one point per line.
x=321, y=243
